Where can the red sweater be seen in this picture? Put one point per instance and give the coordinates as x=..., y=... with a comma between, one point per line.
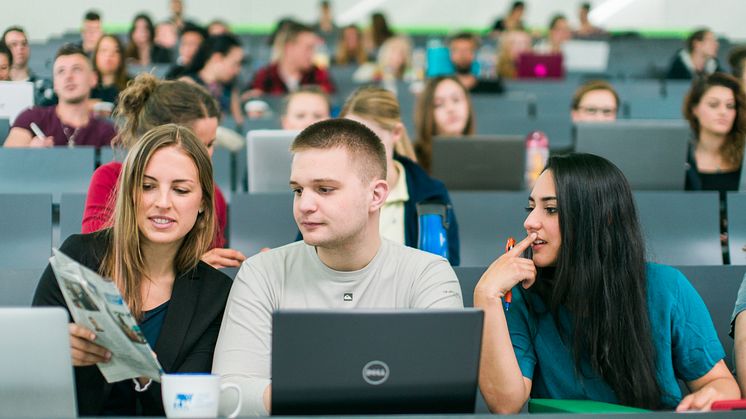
x=99, y=204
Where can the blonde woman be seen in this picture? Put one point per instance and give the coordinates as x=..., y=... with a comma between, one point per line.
x=409, y=184
x=164, y=221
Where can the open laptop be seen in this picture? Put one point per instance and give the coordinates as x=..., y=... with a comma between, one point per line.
x=483, y=162
x=540, y=66
x=375, y=362
x=585, y=56
x=650, y=153
x=15, y=96
x=269, y=160
x=36, y=373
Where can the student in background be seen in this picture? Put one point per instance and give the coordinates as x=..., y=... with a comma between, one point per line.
x=738, y=333
x=595, y=101
x=463, y=51
x=218, y=27
x=443, y=108
x=338, y=179
x=190, y=40
x=737, y=61
x=592, y=320
x=163, y=221
x=350, y=48
x=17, y=42
x=716, y=110
x=305, y=107
x=586, y=29
x=146, y=104
x=90, y=32
x=394, y=62
x=215, y=67
x=325, y=26
x=409, y=184
x=512, y=45
x=141, y=49
x=513, y=21
x=295, y=46
x=377, y=33
x=108, y=63
x=70, y=122
x=559, y=33
x=166, y=35
x=6, y=62
x=698, y=59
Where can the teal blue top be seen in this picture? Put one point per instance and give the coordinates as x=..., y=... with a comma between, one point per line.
x=687, y=346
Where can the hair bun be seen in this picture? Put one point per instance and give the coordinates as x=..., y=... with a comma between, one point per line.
x=133, y=98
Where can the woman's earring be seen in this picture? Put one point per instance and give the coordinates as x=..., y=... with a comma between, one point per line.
x=201, y=210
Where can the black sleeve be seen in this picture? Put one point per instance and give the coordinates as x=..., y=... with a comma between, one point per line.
x=48, y=291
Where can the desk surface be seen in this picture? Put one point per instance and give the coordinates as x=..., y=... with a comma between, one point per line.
x=653, y=415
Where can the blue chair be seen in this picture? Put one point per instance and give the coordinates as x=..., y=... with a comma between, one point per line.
x=718, y=287
x=261, y=220
x=486, y=220
x=223, y=164
x=72, y=206
x=26, y=229
x=737, y=228
x=681, y=228
x=17, y=286
x=53, y=170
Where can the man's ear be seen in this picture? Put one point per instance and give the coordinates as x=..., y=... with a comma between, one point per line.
x=380, y=191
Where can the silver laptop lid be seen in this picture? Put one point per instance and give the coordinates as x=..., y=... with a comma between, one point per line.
x=650, y=153
x=15, y=96
x=36, y=373
x=269, y=160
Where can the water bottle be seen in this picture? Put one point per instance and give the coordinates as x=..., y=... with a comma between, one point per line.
x=321, y=56
x=433, y=226
x=487, y=62
x=537, y=153
x=418, y=63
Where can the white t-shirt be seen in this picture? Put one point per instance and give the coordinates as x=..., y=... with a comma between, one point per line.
x=293, y=276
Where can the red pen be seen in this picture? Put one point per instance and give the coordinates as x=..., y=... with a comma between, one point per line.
x=508, y=298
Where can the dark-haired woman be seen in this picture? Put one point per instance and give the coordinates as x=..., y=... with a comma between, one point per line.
x=215, y=67
x=592, y=320
x=108, y=63
x=141, y=48
x=716, y=110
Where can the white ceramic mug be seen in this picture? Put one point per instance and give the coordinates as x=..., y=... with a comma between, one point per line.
x=194, y=395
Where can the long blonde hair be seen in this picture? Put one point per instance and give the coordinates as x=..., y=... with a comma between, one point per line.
x=381, y=106
x=124, y=261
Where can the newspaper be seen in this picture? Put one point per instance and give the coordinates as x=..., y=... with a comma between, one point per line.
x=96, y=303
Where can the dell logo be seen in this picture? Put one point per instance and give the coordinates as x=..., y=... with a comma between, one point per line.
x=375, y=372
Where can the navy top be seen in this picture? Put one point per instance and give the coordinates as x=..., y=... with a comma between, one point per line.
x=152, y=321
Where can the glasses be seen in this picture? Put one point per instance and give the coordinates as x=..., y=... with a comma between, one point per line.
x=592, y=110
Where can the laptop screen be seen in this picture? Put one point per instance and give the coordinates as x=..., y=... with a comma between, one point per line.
x=37, y=374
x=375, y=362
x=540, y=66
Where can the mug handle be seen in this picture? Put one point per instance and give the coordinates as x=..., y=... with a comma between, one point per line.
x=226, y=386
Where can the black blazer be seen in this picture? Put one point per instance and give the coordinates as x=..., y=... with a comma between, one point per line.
x=188, y=336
